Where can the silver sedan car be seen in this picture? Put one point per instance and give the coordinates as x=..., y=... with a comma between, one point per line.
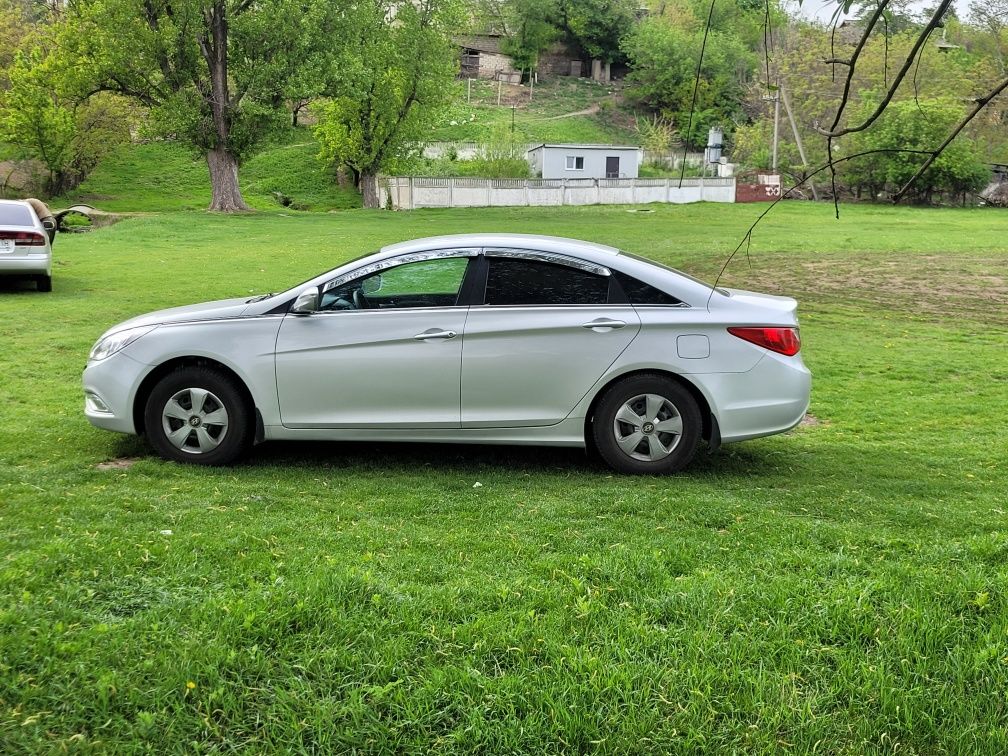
x=481, y=338
x=25, y=246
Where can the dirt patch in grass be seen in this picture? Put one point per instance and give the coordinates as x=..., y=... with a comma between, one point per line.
x=936, y=287
x=121, y=463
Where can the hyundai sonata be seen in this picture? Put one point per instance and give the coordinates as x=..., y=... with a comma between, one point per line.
x=482, y=338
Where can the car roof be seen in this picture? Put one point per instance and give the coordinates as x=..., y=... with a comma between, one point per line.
x=533, y=242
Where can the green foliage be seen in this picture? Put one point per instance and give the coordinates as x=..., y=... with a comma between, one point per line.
x=387, y=83
x=13, y=29
x=44, y=122
x=531, y=29
x=916, y=126
x=158, y=55
x=663, y=59
x=598, y=27
x=657, y=133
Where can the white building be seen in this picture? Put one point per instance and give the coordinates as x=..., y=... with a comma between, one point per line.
x=592, y=161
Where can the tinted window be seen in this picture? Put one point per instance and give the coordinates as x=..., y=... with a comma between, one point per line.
x=428, y=283
x=531, y=282
x=15, y=215
x=640, y=293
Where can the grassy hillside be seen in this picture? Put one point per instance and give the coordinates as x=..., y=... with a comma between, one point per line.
x=167, y=176
x=554, y=114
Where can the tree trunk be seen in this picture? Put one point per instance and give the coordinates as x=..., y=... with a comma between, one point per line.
x=221, y=161
x=227, y=196
x=369, y=190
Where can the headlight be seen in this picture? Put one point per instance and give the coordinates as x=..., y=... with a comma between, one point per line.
x=112, y=343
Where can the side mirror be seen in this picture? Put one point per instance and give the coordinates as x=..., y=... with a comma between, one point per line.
x=372, y=284
x=307, y=302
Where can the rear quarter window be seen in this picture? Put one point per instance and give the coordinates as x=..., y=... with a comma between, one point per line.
x=640, y=293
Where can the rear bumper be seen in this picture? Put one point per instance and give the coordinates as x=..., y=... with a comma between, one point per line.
x=771, y=398
x=26, y=265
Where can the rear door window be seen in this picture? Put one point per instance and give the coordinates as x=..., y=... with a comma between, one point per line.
x=515, y=281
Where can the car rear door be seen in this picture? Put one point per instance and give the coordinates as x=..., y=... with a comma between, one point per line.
x=383, y=351
x=544, y=334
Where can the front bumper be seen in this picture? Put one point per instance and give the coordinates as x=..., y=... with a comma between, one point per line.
x=110, y=390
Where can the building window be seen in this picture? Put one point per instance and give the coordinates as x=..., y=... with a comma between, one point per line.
x=575, y=163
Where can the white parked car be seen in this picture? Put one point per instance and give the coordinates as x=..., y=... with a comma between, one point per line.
x=481, y=338
x=25, y=247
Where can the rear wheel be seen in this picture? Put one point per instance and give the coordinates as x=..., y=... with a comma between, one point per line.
x=647, y=424
x=198, y=415
x=43, y=283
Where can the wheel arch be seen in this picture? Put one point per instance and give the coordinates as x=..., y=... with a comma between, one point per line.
x=709, y=432
x=154, y=376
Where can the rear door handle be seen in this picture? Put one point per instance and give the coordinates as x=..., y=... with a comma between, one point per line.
x=434, y=333
x=603, y=323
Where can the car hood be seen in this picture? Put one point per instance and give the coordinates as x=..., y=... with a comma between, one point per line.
x=224, y=308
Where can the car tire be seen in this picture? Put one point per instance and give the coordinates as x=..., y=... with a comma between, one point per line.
x=647, y=424
x=43, y=283
x=215, y=411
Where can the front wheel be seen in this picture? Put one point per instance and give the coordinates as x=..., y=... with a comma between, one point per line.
x=647, y=424
x=198, y=415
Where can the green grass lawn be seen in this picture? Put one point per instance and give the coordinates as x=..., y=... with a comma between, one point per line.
x=842, y=589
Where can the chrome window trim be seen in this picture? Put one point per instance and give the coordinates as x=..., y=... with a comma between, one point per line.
x=550, y=257
x=393, y=262
x=379, y=310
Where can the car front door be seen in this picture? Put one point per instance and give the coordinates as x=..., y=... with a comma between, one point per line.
x=545, y=333
x=383, y=351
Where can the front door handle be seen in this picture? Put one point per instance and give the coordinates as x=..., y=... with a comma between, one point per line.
x=435, y=333
x=602, y=325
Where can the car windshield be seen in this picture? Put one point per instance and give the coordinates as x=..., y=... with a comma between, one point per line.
x=15, y=215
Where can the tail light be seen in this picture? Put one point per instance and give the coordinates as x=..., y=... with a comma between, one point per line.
x=23, y=238
x=781, y=340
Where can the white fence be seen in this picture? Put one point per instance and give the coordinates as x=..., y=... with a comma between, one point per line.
x=409, y=193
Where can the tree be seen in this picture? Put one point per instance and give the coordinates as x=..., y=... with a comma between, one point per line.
x=530, y=30
x=915, y=126
x=12, y=32
x=664, y=62
x=598, y=26
x=47, y=125
x=390, y=75
x=212, y=72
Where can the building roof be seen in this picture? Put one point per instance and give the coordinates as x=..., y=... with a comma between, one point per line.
x=490, y=43
x=584, y=147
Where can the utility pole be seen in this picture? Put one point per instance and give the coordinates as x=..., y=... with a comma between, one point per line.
x=797, y=138
x=776, y=125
